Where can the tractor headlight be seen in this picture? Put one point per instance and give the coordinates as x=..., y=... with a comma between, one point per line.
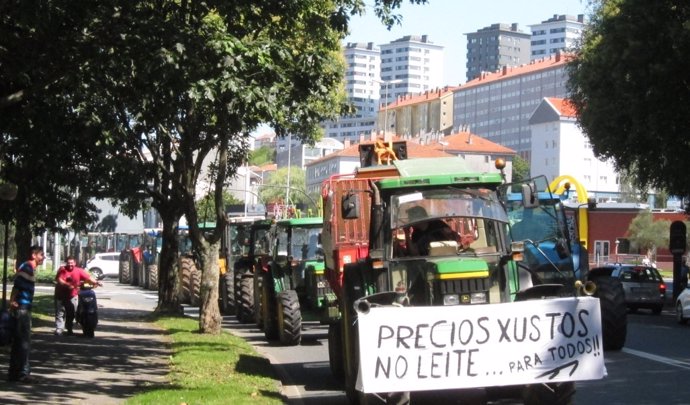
x=451, y=299
x=478, y=298
x=465, y=299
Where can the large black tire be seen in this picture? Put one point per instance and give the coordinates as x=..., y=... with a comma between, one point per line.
x=614, y=314
x=259, y=300
x=549, y=394
x=153, y=277
x=195, y=287
x=125, y=273
x=245, y=306
x=289, y=318
x=185, y=273
x=238, y=288
x=226, y=293
x=335, y=350
x=269, y=309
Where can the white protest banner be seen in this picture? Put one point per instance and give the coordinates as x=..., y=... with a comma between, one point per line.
x=429, y=348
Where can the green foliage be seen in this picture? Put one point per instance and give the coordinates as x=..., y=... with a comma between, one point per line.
x=647, y=234
x=274, y=190
x=263, y=155
x=206, y=206
x=521, y=170
x=212, y=369
x=629, y=86
x=130, y=100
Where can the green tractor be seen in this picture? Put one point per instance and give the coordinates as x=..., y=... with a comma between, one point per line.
x=247, y=268
x=234, y=249
x=440, y=257
x=295, y=288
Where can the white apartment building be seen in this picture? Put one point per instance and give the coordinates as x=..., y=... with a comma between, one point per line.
x=560, y=148
x=410, y=65
x=557, y=34
x=363, y=77
x=362, y=87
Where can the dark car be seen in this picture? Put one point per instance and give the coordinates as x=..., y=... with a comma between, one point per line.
x=643, y=285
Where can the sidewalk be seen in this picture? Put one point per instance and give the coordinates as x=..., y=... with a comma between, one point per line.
x=127, y=355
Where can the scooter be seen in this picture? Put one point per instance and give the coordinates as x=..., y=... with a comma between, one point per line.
x=87, y=309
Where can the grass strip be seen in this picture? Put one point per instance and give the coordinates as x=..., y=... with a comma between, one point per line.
x=204, y=369
x=211, y=369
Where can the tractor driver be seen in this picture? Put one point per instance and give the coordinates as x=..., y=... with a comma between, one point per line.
x=425, y=232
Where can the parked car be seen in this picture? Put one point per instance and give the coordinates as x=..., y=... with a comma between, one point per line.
x=683, y=306
x=104, y=265
x=643, y=285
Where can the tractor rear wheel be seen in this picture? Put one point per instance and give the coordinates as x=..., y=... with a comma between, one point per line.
x=186, y=269
x=227, y=293
x=153, y=277
x=245, y=306
x=614, y=314
x=289, y=318
x=125, y=274
x=195, y=287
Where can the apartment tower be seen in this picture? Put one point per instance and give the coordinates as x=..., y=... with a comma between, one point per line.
x=494, y=47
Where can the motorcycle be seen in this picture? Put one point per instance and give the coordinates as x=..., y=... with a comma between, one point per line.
x=87, y=309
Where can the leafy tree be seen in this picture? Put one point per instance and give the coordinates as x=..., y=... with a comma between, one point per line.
x=275, y=188
x=206, y=208
x=47, y=146
x=520, y=169
x=263, y=155
x=629, y=86
x=647, y=234
x=161, y=88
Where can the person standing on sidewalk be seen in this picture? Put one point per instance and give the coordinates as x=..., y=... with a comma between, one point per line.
x=67, y=281
x=21, y=299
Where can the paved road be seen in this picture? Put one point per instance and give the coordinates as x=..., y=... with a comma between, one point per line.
x=127, y=355
x=653, y=368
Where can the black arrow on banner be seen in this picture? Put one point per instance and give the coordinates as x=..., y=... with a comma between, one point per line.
x=553, y=373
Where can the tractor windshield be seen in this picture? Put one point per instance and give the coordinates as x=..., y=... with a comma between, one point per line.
x=407, y=209
x=305, y=243
x=447, y=222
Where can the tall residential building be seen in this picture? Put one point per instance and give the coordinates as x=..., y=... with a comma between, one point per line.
x=497, y=106
x=494, y=47
x=410, y=65
x=559, y=33
x=560, y=148
x=362, y=84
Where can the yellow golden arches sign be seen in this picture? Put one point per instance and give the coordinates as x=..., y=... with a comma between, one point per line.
x=562, y=183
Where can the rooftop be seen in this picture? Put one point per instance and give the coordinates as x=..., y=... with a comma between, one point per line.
x=514, y=71
x=470, y=143
x=564, y=107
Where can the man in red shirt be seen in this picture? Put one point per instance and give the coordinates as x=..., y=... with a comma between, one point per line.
x=68, y=279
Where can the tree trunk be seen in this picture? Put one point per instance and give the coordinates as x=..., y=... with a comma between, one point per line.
x=209, y=312
x=168, y=285
x=23, y=233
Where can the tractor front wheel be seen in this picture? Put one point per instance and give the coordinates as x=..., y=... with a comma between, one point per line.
x=289, y=318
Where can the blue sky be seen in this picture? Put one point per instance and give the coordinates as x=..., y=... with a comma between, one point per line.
x=446, y=22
